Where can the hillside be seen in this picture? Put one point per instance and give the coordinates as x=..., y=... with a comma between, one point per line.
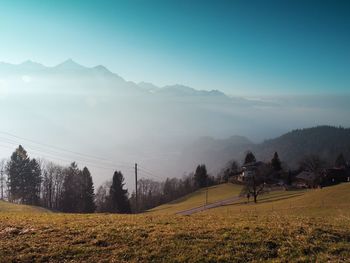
x=16, y=208
x=235, y=233
x=196, y=199
x=329, y=201
x=325, y=141
x=333, y=201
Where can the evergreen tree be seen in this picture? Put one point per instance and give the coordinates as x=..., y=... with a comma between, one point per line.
x=87, y=195
x=71, y=194
x=24, y=178
x=118, y=197
x=340, y=161
x=249, y=158
x=276, y=163
x=201, y=176
x=33, y=183
x=16, y=174
x=168, y=190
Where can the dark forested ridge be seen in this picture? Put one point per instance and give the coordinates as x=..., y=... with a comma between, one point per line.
x=325, y=141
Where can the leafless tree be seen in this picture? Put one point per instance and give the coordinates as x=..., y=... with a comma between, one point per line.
x=101, y=197
x=313, y=164
x=53, y=177
x=255, y=184
x=2, y=178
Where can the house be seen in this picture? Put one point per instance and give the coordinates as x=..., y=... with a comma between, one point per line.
x=304, y=179
x=336, y=175
x=248, y=170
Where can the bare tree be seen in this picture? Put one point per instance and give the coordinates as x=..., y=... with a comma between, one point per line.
x=313, y=164
x=2, y=178
x=255, y=183
x=101, y=197
x=53, y=177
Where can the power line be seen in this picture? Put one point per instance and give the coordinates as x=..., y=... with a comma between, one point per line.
x=148, y=171
x=44, y=150
x=150, y=175
x=64, y=150
x=56, y=153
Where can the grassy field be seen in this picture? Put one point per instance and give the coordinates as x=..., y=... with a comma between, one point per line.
x=328, y=201
x=9, y=207
x=215, y=193
x=225, y=234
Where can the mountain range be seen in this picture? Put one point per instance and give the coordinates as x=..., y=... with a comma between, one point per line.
x=70, y=69
x=95, y=111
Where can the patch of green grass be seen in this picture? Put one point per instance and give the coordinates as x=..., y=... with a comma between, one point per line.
x=196, y=199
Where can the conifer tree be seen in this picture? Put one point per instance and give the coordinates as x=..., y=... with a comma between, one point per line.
x=71, y=194
x=201, y=176
x=276, y=163
x=118, y=196
x=24, y=178
x=249, y=158
x=16, y=174
x=33, y=183
x=87, y=195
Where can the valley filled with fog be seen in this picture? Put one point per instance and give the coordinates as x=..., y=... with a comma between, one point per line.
x=116, y=123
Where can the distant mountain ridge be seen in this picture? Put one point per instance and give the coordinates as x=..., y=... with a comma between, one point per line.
x=70, y=67
x=325, y=141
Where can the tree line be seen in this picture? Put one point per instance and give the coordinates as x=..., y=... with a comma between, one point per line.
x=24, y=180
x=69, y=189
x=31, y=181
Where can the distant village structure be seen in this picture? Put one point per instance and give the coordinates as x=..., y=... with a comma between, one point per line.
x=248, y=170
x=301, y=178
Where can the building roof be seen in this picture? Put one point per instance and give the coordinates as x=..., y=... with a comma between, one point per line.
x=252, y=164
x=306, y=176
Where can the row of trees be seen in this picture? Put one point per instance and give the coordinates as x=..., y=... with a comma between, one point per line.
x=66, y=189
x=153, y=193
x=70, y=189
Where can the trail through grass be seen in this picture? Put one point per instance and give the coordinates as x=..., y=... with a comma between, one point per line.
x=215, y=193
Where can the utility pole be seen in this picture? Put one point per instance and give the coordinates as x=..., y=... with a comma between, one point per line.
x=206, y=194
x=206, y=197
x=136, y=199
x=2, y=179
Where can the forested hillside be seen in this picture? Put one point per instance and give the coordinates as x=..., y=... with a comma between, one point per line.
x=325, y=141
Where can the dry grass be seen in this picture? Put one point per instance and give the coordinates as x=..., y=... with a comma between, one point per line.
x=10, y=207
x=217, y=235
x=330, y=202
x=196, y=199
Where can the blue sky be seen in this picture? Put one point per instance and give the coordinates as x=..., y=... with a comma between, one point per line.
x=249, y=48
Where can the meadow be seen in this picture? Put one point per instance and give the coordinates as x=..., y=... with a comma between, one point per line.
x=316, y=227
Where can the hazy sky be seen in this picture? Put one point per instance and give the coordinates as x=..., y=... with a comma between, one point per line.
x=240, y=47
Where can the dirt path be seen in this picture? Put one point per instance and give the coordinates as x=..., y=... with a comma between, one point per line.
x=208, y=206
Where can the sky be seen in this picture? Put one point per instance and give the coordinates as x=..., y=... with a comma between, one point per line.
x=248, y=48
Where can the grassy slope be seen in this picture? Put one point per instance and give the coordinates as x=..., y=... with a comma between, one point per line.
x=10, y=207
x=329, y=201
x=221, y=234
x=215, y=193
